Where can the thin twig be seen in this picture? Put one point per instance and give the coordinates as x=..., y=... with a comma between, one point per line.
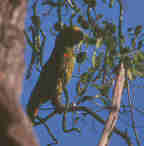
x=49, y=131
x=64, y=115
x=132, y=116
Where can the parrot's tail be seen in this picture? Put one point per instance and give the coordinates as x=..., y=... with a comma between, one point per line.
x=32, y=109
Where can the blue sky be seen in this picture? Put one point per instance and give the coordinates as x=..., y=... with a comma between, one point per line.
x=90, y=129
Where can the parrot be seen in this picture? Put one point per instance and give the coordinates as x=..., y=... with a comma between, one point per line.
x=56, y=72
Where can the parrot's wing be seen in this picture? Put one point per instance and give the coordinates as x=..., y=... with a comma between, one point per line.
x=45, y=87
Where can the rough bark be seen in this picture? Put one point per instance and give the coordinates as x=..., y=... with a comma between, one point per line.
x=15, y=128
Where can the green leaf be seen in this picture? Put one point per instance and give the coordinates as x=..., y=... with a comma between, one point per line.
x=128, y=62
x=137, y=73
x=140, y=56
x=85, y=77
x=109, y=61
x=110, y=42
x=105, y=89
x=122, y=39
x=96, y=86
x=138, y=30
x=90, y=41
x=111, y=3
x=81, y=57
x=105, y=102
x=91, y=70
x=125, y=51
x=140, y=67
x=94, y=59
x=133, y=42
x=135, y=59
x=109, y=27
x=129, y=74
x=99, y=42
x=140, y=44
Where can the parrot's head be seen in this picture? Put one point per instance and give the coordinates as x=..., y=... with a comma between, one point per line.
x=70, y=36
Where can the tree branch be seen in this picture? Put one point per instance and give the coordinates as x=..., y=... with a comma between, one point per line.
x=116, y=100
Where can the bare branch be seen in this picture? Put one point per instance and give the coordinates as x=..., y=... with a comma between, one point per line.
x=132, y=117
x=116, y=100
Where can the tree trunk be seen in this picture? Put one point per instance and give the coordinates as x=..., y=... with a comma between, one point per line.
x=15, y=128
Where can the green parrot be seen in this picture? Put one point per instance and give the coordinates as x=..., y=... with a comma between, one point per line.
x=56, y=73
